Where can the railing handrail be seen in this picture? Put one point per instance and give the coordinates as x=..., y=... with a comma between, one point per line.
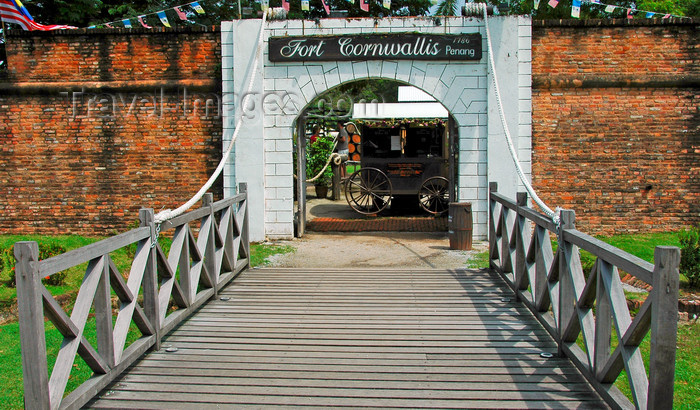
x=204, y=265
x=554, y=287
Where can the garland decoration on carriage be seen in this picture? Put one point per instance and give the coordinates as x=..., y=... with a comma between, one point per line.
x=402, y=122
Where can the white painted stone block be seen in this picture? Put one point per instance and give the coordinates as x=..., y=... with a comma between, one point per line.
x=403, y=70
x=469, y=169
x=360, y=69
x=417, y=76
x=374, y=68
x=345, y=71
x=476, y=107
x=389, y=69
x=285, y=145
x=332, y=23
x=317, y=77
x=274, y=157
x=332, y=77
x=278, y=204
x=276, y=181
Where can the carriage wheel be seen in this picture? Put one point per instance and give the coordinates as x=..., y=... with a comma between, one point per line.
x=433, y=196
x=368, y=191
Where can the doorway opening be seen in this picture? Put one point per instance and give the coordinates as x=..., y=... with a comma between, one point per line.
x=397, y=171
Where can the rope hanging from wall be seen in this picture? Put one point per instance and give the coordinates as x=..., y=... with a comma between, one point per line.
x=470, y=9
x=481, y=8
x=170, y=214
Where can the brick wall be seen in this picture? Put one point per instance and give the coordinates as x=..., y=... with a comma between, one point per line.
x=95, y=125
x=615, y=123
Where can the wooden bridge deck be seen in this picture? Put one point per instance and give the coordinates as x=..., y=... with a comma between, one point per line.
x=384, y=338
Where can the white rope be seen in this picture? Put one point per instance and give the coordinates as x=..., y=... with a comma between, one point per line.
x=170, y=214
x=330, y=158
x=474, y=7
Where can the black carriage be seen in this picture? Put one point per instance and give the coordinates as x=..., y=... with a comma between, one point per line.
x=407, y=157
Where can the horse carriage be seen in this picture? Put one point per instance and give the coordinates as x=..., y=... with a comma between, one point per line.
x=407, y=157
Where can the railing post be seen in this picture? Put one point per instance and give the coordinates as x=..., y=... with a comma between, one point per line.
x=245, y=238
x=31, y=326
x=493, y=187
x=520, y=245
x=566, y=291
x=664, y=327
x=150, y=276
x=210, y=250
x=336, y=180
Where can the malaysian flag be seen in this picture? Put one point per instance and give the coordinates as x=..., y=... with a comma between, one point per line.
x=12, y=11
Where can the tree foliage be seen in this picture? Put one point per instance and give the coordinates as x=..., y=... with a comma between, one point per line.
x=82, y=13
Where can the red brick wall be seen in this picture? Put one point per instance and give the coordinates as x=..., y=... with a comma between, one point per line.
x=615, y=123
x=87, y=166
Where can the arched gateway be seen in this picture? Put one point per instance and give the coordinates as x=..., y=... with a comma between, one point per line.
x=445, y=57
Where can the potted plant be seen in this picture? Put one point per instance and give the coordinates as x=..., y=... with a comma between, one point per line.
x=316, y=158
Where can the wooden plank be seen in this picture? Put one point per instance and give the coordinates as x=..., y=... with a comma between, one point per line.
x=423, y=339
x=664, y=326
x=411, y=385
x=338, y=401
x=31, y=325
x=86, y=253
x=627, y=262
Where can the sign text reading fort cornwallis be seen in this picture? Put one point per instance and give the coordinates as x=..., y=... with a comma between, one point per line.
x=404, y=46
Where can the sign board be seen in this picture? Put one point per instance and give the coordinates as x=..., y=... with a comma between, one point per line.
x=399, y=46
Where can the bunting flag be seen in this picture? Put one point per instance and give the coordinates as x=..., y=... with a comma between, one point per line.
x=553, y=3
x=109, y=25
x=364, y=5
x=195, y=5
x=537, y=4
x=143, y=23
x=285, y=5
x=13, y=11
x=127, y=23
x=305, y=5
x=576, y=9
x=265, y=5
x=180, y=14
x=163, y=18
x=630, y=12
x=326, y=7
x=386, y=4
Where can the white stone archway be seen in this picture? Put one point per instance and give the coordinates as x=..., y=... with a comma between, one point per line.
x=263, y=151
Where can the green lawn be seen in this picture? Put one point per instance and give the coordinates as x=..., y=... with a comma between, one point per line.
x=686, y=386
x=11, y=396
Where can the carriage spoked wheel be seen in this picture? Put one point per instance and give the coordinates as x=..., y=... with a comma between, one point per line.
x=368, y=191
x=434, y=196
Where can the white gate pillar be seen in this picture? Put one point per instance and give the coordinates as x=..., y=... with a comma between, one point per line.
x=239, y=41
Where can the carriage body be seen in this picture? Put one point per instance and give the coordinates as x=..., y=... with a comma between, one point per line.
x=408, y=157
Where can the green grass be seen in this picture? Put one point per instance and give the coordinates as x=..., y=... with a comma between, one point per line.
x=479, y=260
x=685, y=387
x=11, y=395
x=260, y=252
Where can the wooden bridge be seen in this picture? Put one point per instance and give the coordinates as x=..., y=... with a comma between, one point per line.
x=531, y=332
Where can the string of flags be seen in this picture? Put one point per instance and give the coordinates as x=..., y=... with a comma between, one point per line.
x=180, y=10
x=13, y=11
x=609, y=8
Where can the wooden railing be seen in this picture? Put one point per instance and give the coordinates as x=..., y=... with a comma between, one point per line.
x=159, y=292
x=574, y=306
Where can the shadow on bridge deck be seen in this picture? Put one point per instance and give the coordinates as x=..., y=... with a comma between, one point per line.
x=356, y=338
